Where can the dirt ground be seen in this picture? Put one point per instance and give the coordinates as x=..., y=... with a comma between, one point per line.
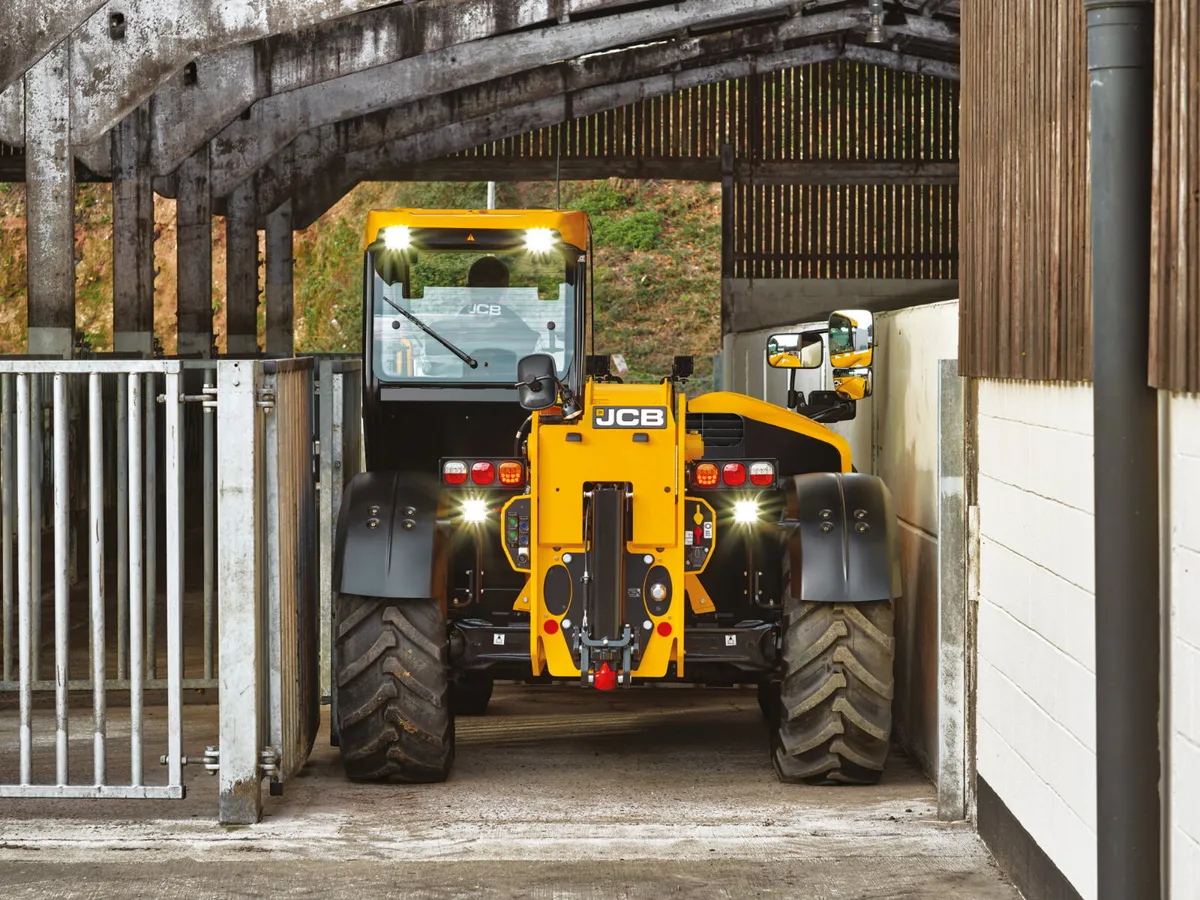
x=557, y=793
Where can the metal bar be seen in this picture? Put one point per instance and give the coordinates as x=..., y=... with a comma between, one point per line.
x=1120, y=49
x=327, y=397
x=24, y=579
x=122, y=426
x=62, y=595
x=96, y=575
x=952, y=595
x=6, y=519
x=89, y=792
x=210, y=531
x=173, y=475
x=239, y=511
x=112, y=684
x=150, y=560
x=137, y=666
x=36, y=470
x=89, y=366
x=274, y=447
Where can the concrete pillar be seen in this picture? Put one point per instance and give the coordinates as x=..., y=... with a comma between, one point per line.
x=241, y=271
x=281, y=323
x=133, y=236
x=193, y=217
x=50, y=213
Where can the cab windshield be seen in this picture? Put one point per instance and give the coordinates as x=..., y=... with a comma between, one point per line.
x=494, y=304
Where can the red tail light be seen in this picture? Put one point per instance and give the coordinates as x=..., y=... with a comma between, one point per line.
x=706, y=475
x=762, y=474
x=454, y=472
x=483, y=472
x=511, y=473
x=734, y=474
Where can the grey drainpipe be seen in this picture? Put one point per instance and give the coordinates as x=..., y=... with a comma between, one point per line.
x=1120, y=64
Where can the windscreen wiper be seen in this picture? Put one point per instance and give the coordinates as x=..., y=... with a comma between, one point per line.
x=465, y=357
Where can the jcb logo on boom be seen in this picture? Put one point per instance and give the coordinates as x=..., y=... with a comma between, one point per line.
x=629, y=417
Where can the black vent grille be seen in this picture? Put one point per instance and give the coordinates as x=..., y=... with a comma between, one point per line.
x=717, y=429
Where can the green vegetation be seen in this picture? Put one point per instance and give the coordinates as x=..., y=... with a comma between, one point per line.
x=656, y=277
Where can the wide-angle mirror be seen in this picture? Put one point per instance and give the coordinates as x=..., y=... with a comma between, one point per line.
x=803, y=350
x=852, y=384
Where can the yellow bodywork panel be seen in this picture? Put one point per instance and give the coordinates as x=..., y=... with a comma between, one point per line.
x=569, y=456
x=651, y=460
x=760, y=410
x=573, y=226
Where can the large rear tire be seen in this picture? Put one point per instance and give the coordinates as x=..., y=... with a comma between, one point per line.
x=395, y=720
x=835, y=707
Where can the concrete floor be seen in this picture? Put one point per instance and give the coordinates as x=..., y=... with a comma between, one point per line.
x=556, y=793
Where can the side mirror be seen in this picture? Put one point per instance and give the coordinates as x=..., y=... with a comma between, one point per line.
x=537, y=381
x=851, y=338
x=795, y=351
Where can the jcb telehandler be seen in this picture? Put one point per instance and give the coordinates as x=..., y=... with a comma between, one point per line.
x=526, y=516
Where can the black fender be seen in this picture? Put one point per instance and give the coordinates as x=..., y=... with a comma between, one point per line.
x=845, y=539
x=386, y=536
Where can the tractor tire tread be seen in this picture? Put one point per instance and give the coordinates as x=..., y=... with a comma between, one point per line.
x=395, y=719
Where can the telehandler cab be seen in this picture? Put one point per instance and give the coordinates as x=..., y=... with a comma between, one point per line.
x=526, y=516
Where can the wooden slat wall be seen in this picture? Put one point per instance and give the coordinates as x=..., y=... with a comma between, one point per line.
x=1175, y=259
x=845, y=112
x=1025, y=217
x=828, y=112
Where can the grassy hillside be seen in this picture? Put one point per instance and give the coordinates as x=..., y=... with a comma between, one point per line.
x=657, y=265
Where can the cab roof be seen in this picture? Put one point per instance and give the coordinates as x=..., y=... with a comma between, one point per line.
x=572, y=225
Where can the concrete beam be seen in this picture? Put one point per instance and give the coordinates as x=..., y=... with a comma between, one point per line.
x=133, y=236
x=193, y=105
x=757, y=303
x=32, y=28
x=312, y=153
x=385, y=161
x=246, y=145
x=281, y=318
x=120, y=62
x=241, y=273
x=50, y=205
x=193, y=217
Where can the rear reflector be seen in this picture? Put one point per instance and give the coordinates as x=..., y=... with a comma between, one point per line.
x=664, y=629
x=551, y=626
x=511, y=473
x=734, y=474
x=455, y=472
x=706, y=475
x=762, y=474
x=483, y=472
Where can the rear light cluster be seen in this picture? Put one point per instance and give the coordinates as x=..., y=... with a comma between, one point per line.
x=506, y=473
x=733, y=474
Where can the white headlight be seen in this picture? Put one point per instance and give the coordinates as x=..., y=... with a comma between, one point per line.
x=474, y=510
x=398, y=237
x=745, y=512
x=539, y=241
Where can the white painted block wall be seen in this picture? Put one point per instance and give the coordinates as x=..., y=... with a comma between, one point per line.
x=1183, y=414
x=1036, y=712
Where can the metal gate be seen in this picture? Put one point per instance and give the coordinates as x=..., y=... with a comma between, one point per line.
x=96, y=418
x=267, y=578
